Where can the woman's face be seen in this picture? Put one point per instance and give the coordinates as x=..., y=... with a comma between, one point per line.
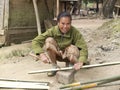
x=64, y=24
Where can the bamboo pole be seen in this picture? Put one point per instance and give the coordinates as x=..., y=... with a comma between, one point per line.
x=88, y=82
x=37, y=16
x=70, y=68
x=95, y=84
x=108, y=85
x=48, y=70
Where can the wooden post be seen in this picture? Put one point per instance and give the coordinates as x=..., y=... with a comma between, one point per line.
x=118, y=8
x=57, y=12
x=2, y=7
x=37, y=16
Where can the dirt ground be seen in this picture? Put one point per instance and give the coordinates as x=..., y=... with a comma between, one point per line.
x=101, y=50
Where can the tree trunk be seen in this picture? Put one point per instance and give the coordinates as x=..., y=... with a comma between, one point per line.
x=100, y=13
x=97, y=8
x=79, y=6
x=108, y=7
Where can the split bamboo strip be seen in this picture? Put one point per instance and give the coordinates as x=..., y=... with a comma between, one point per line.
x=17, y=84
x=36, y=82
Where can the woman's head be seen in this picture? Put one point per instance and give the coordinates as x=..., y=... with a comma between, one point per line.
x=64, y=22
x=64, y=14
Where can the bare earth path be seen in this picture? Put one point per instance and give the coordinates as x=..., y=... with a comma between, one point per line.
x=18, y=67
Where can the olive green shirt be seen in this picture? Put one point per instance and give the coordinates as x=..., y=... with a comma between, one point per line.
x=73, y=36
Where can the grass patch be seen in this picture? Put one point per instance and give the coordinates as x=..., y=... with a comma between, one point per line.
x=15, y=53
x=113, y=26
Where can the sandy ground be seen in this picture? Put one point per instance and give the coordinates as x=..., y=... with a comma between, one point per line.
x=18, y=67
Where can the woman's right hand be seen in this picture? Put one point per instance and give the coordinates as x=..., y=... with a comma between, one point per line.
x=44, y=58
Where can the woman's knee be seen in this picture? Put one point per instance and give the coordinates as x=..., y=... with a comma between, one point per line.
x=72, y=49
x=51, y=41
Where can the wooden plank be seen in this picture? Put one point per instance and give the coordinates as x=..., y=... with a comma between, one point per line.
x=20, y=34
x=21, y=31
x=22, y=27
x=69, y=0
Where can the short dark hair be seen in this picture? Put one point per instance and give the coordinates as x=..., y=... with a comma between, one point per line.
x=64, y=14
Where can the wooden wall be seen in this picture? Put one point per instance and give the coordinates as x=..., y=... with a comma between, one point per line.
x=22, y=21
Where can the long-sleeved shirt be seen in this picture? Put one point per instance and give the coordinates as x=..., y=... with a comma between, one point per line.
x=73, y=36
